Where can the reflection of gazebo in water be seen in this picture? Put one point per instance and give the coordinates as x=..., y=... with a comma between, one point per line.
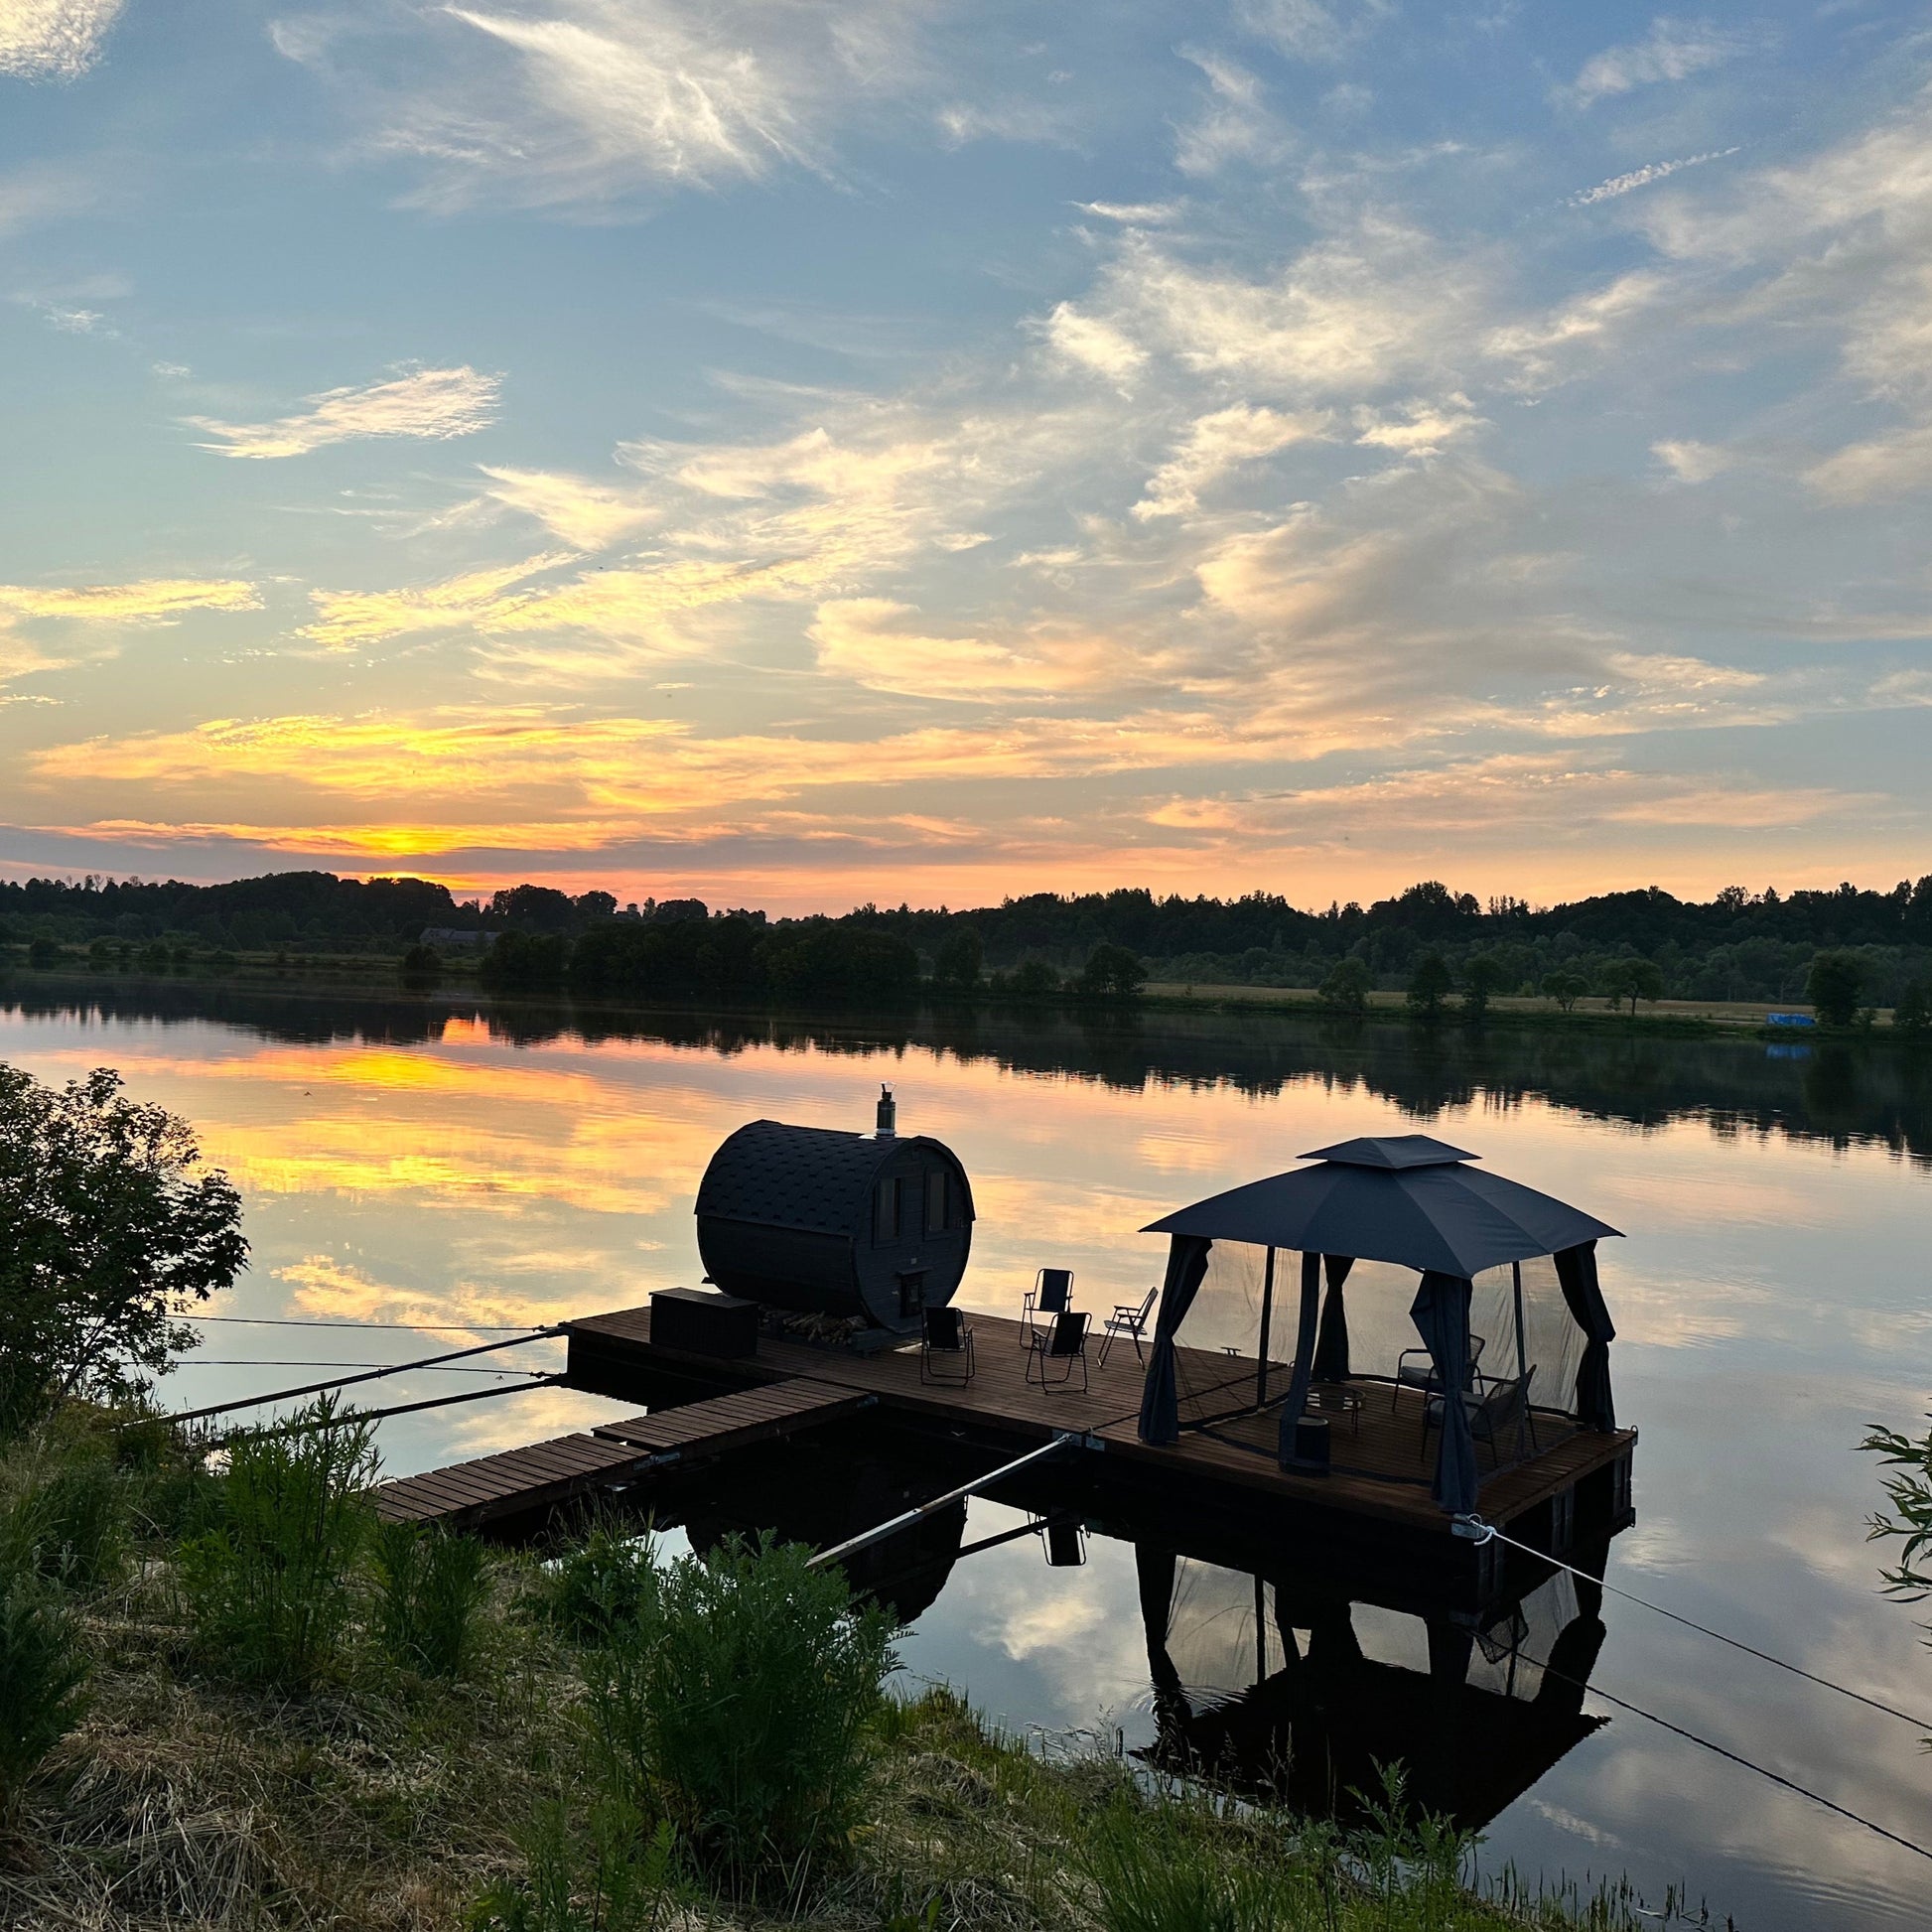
x=1306, y=1706
x=1508, y=1315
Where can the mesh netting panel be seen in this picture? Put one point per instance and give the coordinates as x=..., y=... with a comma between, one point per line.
x=1217, y=1643
x=1510, y=1653
x=1553, y=1345
x=1226, y=1314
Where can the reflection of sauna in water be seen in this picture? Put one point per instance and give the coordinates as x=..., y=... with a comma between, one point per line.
x=1275, y=1689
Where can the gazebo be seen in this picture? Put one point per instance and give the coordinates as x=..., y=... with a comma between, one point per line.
x=1394, y=1206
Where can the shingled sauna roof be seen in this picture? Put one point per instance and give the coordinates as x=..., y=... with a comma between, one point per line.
x=818, y=1180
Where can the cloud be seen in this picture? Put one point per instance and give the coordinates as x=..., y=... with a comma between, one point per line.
x=75, y=322
x=435, y=404
x=54, y=40
x=1308, y=29
x=1885, y=466
x=1418, y=428
x=1673, y=50
x=1217, y=444
x=1234, y=124
x=586, y=515
x=1353, y=310
x=1693, y=462
x=582, y=103
x=867, y=640
x=156, y=601
x=1621, y=185
x=1090, y=343
x=353, y=619
x=1538, y=347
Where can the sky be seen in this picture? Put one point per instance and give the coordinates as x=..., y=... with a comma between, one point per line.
x=803, y=455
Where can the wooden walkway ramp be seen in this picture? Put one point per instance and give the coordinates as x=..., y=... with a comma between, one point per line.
x=549, y=1473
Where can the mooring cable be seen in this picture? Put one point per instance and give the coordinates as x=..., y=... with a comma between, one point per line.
x=1736, y=1757
x=382, y=1415
x=346, y=1381
x=1475, y=1530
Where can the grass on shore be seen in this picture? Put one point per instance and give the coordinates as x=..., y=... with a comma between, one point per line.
x=382, y=1794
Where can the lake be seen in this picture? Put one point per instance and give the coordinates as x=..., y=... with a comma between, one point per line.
x=434, y=1162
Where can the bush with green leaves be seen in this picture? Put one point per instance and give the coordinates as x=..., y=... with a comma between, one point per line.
x=43, y=1672
x=597, y=1588
x=110, y=1231
x=1345, y=990
x=1913, y=1013
x=1428, y=986
x=431, y=1589
x=270, y=1586
x=736, y=1706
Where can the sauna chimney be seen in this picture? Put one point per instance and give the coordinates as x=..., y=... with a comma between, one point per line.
x=886, y=1124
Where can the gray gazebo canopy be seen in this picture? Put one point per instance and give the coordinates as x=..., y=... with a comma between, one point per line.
x=1411, y=1200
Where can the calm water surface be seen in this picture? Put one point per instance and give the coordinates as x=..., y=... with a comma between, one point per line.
x=426, y=1163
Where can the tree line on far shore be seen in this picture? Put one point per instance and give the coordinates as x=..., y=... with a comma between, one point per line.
x=1736, y=946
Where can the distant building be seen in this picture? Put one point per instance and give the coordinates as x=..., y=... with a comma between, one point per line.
x=456, y=939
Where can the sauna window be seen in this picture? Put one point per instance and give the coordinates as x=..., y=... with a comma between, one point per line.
x=885, y=1211
x=936, y=1218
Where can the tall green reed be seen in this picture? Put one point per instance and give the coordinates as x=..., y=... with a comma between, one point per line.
x=43, y=1670
x=270, y=1586
x=431, y=1589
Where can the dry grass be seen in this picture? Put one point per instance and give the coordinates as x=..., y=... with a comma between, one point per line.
x=386, y=1803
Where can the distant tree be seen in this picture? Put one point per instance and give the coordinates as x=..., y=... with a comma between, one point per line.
x=1483, y=976
x=1033, y=979
x=842, y=962
x=1566, y=986
x=959, y=960
x=524, y=962
x=1112, y=973
x=421, y=966
x=42, y=953
x=1428, y=986
x=110, y=1234
x=1913, y=1013
x=1631, y=979
x=1346, y=988
x=535, y=908
x=1833, y=987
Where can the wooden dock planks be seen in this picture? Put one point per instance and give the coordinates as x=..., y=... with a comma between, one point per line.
x=1381, y=1467
x=547, y=1473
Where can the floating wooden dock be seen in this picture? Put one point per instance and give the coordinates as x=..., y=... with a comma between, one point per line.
x=1381, y=1451
x=706, y=1405
x=545, y=1474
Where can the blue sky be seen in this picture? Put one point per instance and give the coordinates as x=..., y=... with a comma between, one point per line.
x=806, y=454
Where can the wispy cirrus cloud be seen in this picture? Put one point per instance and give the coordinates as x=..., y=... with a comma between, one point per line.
x=577, y=102
x=54, y=40
x=161, y=599
x=1673, y=50
x=434, y=404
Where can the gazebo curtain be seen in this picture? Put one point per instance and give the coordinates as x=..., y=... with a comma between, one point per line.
x=1159, y=1398
x=1440, y=1312
x=1577, y=1271
x=1332, y=1344
x=1297, y=1387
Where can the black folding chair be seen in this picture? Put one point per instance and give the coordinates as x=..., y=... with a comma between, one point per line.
x=1127, y=1320
x=1050, y=1293
x=945, y=1347
x=1065, y=1342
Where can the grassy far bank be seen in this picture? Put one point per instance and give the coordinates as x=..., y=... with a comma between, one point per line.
x=283, y=1718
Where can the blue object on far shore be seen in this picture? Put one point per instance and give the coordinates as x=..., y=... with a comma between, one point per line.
x=1789, y=1019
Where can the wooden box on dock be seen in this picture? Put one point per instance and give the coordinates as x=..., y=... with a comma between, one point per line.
x=703, y=1323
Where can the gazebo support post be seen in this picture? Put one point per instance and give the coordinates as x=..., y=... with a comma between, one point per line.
x=1297, y=1387
x=1267, y=1317
x=1522, y=1359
